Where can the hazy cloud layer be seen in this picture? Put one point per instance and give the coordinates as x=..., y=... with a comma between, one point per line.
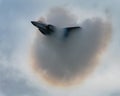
x=16, y=34
x=68, y=62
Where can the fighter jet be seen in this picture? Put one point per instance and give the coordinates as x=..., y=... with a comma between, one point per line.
x=48, y=29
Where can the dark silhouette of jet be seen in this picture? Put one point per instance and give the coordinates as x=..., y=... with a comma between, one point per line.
x=48, y=29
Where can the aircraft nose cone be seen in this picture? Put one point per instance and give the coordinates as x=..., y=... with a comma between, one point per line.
x=34, y=23
x=39, y=25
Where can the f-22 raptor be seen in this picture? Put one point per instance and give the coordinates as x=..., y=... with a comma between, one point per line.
x=48, y=29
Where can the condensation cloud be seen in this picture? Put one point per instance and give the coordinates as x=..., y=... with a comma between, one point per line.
x=68, y=63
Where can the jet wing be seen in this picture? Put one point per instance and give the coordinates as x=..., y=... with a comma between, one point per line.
x=69, y=30
x=72, y=28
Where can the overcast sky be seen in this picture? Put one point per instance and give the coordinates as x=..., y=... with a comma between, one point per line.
x=16, y=35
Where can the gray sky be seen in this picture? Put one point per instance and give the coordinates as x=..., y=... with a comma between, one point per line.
x=16, y=35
